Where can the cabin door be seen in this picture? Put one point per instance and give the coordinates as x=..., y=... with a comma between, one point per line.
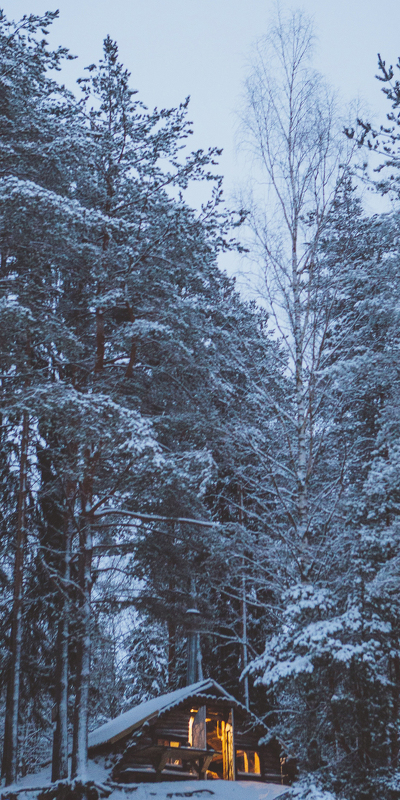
x=228, y=749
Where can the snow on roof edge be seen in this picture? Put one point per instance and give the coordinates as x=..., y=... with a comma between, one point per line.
x=125, y=723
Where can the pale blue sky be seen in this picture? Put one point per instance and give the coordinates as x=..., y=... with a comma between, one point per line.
x=199, y=47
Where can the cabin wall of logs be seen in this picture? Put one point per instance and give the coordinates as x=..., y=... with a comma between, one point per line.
x=203, y=738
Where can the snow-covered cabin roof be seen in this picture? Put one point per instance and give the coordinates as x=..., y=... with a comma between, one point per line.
x=130, y=720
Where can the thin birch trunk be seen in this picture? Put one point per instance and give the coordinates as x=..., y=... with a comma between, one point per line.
x=100, y=340
x=301, y=467
x=60, y=739
x=244, y=643
x=243, y=615
x=80, y=731
x=171, y=653
x=292, y=125
x=10, y=752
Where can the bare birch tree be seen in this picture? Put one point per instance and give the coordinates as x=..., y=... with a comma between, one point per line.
x=292, y=128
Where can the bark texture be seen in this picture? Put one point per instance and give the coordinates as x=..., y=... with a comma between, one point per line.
x=60, y=740
x=80, y=731
x=10, y=752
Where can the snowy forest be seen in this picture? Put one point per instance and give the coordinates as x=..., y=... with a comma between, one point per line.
x=167, y=443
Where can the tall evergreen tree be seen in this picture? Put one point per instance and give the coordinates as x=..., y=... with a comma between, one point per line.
x=120, y=331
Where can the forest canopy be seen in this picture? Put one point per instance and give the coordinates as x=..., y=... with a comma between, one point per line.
x=168, y=445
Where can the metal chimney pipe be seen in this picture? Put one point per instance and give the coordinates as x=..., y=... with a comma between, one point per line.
x=194, y=663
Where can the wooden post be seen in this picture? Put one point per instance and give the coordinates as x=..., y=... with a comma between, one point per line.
x=228, y=749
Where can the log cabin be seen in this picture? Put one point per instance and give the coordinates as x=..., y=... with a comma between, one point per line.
x=199, y=732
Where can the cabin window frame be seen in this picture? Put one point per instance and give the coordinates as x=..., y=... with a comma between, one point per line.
x=245, y=753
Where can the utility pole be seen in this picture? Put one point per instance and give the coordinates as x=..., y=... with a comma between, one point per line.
x=194, y=664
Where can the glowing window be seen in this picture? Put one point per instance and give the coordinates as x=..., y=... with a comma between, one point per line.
x=248, y=761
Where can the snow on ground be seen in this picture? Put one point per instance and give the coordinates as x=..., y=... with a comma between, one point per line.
x=168, y=790
x=204, y=790
x=40, y=778
x=307, y=790
x=96, y=772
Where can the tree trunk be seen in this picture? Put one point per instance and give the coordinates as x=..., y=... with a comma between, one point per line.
x=60, y=739
x=243, y=616
x=100, y=340
x=301, y=467
x=132, y=356
x=244, y=659
x=394, y=736
x=80, y=732
x=10, y=752
x=171, y=653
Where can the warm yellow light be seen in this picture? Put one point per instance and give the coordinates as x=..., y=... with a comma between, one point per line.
x=190, y=737
x=174, y=744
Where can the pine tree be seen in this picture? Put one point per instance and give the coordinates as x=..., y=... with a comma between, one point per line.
x=120, y=330
x=31, y=107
